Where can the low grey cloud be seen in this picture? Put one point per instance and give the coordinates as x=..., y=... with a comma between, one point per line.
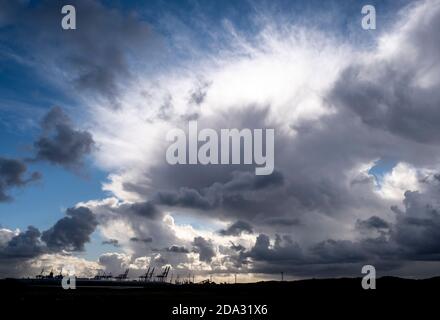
x=177, y=249
x=66, y=235
x=412, y=237
x=72, y=231
x=282, y=221
x=144, y=240
x=185, y=197
x=12, y=175
x=60, y=143
x=111, y=242
x=237, y=194
x=373, y=224
x=236, y=229
x=237, y=247
x=146, y=210
x=23, y=246
x=204, y=248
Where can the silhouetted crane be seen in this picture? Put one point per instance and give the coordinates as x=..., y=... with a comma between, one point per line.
x=148, y=275
x=161, y=277
x=123, y=276
x=102, y=275
x=40, y=276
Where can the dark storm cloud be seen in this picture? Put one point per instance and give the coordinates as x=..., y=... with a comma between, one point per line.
x=67, y=234
x=144, y=240
x=338, y=251
x=60, y=143
x=416, y=229
x=96, y=56
x=177, y=249
x=112, y=242
x=184, y=197
x=288, y=256
x=283, y=249
x=374, y=222
x=23, y=246
x=229, y=194
x=204, y=248
x=12, y=174
x=237, y=247
x=413, y=236
x=236, y=229
x=146, y=210
x=245, y=181
x=400, y=93
x=287, y=222
x=71, y=232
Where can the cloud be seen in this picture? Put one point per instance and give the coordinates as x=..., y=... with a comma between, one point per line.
x=60, y=143
x=146, y=210
x=112, y=242
x=145, y=240
x=412, y=236
x=177, y=249
x=236, y=229
x=12, y=173
x=71, y=232
x=237, y=247
x=204, y=248
x=279, y=222
x=415, y=228
x=322, y=211
x=322, y=207
x=114, y=37
x=407, y=62
x=185, y=197
x=24, y=245
x=20, y=252
x=401, y=178
x=372, y=223
x=114, y=262
x=136, y=226
x=235, y=195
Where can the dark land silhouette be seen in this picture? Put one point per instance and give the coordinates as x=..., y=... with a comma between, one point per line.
x=342, y=297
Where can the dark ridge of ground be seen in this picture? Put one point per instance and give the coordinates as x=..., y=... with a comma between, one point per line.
x=342, y=297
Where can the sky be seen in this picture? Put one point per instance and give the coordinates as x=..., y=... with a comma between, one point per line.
x=84, y=115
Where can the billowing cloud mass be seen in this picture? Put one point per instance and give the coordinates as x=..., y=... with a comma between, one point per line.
x=12, y=175
x=340, y=110
x=60, y=143
x=71, y=232
x=236, y=229
x=23, y=245
x=21, y=251
x=204, y=248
